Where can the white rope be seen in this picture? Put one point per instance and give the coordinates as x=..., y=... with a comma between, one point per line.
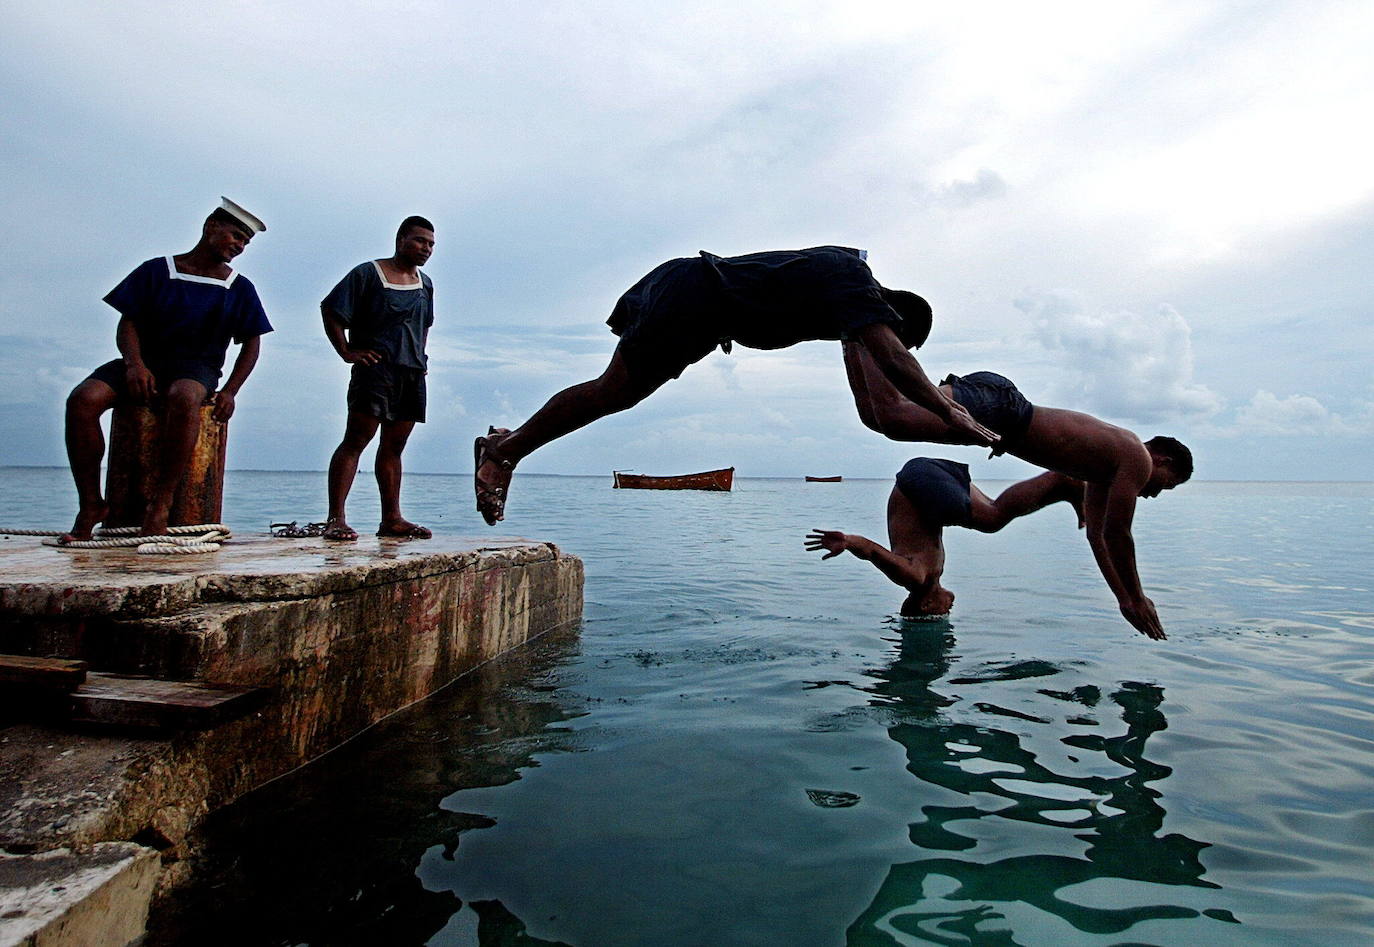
x=173, y=549
x=178, y=540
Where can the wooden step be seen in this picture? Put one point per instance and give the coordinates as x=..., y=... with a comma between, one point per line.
x=51, y=673
x=129, y=701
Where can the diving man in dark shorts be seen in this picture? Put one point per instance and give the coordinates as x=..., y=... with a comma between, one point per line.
x=1114, y=466
x=177, y=316
x=378, y=319
x=933, y=493
x=682, y=310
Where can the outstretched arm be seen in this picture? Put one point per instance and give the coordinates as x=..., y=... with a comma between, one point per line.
x=1108, y=511
x=901, y=570
x=895, y=398
x=896, y=367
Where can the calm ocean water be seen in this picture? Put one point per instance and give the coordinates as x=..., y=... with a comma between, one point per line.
x=741, y=746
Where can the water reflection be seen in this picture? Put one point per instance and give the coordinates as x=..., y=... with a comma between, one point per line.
x=328, y=855
x=1102, y=829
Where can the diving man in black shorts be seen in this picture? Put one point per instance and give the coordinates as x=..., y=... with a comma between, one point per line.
x=685, y=308
x=931, y=494
x=1115, y=468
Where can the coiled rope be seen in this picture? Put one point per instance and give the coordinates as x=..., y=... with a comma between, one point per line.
x=177, y=541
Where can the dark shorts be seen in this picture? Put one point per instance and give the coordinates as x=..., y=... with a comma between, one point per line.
x=994, y=403
x=112, y=373
x=666, y=321
x=387, y=392
x=939, y=489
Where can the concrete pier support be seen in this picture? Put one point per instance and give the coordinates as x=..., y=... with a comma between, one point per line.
x=338, y=635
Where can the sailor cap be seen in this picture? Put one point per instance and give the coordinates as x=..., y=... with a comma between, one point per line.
x=251, y=221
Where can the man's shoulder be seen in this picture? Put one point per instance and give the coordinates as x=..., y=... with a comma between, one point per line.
x=155, y=266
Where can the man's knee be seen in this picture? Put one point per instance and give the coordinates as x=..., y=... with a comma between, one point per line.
x=185, y=396
x=395, y=437
x=618, y=388
x=867, y=416
x=359, y=430
x=985, y=515
x=882, y=413
x=91, y=398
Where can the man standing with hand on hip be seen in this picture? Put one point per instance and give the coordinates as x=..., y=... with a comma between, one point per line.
x=378, y=318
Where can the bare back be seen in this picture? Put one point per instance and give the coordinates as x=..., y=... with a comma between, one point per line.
x=1082, y=446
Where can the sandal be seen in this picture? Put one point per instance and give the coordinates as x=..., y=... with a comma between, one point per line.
x=404, y=530
x=491, y=498
x=340, y=532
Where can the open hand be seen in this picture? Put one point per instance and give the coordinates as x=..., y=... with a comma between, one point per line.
x=833, y=541
x=963, y=422
x=1143, y=618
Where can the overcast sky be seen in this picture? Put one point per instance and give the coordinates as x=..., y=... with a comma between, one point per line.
x=1160, y=213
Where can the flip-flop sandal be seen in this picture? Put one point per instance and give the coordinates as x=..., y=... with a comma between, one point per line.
x=491, y=500
x=413, y=531
x=340, y=533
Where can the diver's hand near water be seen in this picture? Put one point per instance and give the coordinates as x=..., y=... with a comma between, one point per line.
x=832, y=541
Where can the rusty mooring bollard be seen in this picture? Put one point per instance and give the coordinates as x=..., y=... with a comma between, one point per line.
x=135, y=449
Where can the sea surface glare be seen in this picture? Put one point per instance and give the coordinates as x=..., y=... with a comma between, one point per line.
x=742, y=746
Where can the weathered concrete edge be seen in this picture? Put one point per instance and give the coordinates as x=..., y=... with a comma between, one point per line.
x=93, y=897
x=178, y=592
x=158, y=790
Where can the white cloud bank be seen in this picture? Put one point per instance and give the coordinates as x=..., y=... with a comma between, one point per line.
x=1135, y=366
x=1296, y=415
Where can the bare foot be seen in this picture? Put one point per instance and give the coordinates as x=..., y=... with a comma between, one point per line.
x=403, y=529
x=87, y=519
x=154, y=522
x=491, y=475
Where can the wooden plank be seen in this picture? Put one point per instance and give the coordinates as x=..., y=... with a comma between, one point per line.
x=55, y=673
x=130, y=701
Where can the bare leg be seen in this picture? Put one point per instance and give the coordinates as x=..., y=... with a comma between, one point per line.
x=1019, y=499
x=578, y=406
x=85, y=449
x=343, y=467
x=884, y=409
x=388, y=468
x=180, y=432
x=572, y=408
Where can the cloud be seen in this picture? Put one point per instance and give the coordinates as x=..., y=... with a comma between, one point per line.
x=1122, y=364
x=986, y=185
x=1268, y=414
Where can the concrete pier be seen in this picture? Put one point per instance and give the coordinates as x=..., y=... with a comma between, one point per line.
x=337, y=636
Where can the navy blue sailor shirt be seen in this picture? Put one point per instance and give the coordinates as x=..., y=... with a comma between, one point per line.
x=186, y=320
x=389, y=318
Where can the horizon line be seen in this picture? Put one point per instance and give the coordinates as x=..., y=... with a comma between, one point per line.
x=533, y=473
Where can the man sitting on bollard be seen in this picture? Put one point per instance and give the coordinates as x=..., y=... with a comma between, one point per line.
x=177, y=316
